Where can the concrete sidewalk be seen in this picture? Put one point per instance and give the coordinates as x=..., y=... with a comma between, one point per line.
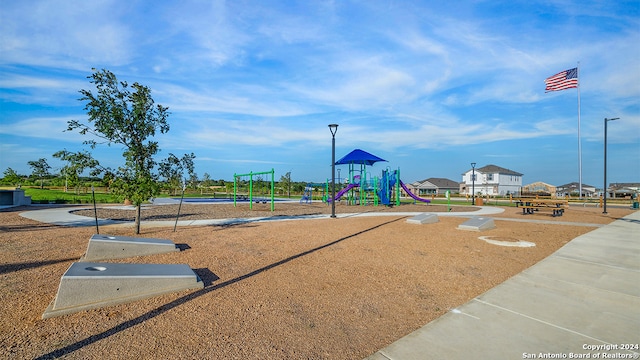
x=583, y=301
x=63, y=216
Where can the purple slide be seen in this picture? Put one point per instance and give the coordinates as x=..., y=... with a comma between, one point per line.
x=343, y=191
x=415, y=197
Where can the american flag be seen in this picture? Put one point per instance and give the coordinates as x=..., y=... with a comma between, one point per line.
x=563, y=80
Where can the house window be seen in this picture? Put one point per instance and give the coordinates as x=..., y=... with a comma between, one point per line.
x=489, y=177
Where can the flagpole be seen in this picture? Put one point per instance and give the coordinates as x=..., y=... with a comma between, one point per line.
x=579, y=139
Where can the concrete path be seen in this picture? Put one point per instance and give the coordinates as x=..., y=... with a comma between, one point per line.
x=583, y=301
x=62, y=216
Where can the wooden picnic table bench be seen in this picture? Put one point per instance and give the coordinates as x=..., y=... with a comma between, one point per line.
x=530, y=206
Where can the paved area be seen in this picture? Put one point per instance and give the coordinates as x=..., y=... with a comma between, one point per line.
x=62, y=216
x=583, y=301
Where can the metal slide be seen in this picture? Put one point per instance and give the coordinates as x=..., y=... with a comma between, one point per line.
x=415, y=197
x=343, y=191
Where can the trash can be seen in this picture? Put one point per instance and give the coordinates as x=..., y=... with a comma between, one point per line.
x=479, y=201
x=635, y=205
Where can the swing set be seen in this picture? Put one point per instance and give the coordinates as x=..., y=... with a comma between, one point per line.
x=237, y=183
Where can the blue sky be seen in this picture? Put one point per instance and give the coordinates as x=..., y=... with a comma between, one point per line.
x=429, y=86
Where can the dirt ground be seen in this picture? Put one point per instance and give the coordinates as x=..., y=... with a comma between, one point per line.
x=314, y=289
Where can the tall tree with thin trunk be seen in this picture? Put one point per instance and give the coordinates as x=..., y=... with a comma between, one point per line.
x=172, y=169
x=77, y=162
x=285, y=183
x=128, y=116
x=40, y=169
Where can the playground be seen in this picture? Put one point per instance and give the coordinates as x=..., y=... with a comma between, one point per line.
x=322, y=288
x=361, y=186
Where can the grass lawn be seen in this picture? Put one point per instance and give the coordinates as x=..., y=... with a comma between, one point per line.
x=44, y=196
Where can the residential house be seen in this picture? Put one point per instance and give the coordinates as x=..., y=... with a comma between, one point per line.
x=491, y=180
x=433, y=186
x=573, y=189
x=624, y=190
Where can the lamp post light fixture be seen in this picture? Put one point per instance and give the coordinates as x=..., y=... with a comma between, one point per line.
x=333, y=128
x=604, y=206
x=473, y=183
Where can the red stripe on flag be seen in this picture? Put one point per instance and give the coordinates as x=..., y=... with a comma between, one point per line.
x=561, y=81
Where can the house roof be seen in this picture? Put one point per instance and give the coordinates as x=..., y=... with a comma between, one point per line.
x=497, y=169
x=444, y=183
x=358, y=156
x=436, y=183
x=574, y=185
x=624, y=190
x=625, y=185
x=493, y=169
x=424, y=184
x=539, y=183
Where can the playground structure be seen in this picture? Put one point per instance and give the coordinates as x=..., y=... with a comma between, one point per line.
x=307, y=196
x=363, y=188
x=237, y=184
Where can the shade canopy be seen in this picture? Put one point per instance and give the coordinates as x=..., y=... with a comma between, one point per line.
x=358, y=156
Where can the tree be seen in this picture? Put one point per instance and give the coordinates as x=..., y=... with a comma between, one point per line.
x=298, y=187
x=128, y=116
x=193, y=181
x=77, y=163
x=228, y=186
x=11, y=177
x=40, y=169
x=258, y=185
x=285, y=182
x=172, y=170
x=206, y=180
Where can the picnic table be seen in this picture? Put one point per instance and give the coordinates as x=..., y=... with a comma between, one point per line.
x=530, y=206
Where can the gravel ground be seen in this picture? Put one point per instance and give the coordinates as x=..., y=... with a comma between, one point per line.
x=315, y=289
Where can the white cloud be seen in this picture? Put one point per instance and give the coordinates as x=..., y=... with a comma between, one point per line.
x=255, y=101
x=52, y=128
x=365, y=87
x=69, y=34
x=29, y=89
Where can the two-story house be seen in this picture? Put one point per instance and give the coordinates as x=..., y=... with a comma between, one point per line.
x=491, y=180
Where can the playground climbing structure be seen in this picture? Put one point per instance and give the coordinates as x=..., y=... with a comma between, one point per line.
x=307, y=196
x=362, y=188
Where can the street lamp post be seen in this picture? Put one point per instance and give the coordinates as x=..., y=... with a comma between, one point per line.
x=604, y=206
x=333, y=128
x=473, y=183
